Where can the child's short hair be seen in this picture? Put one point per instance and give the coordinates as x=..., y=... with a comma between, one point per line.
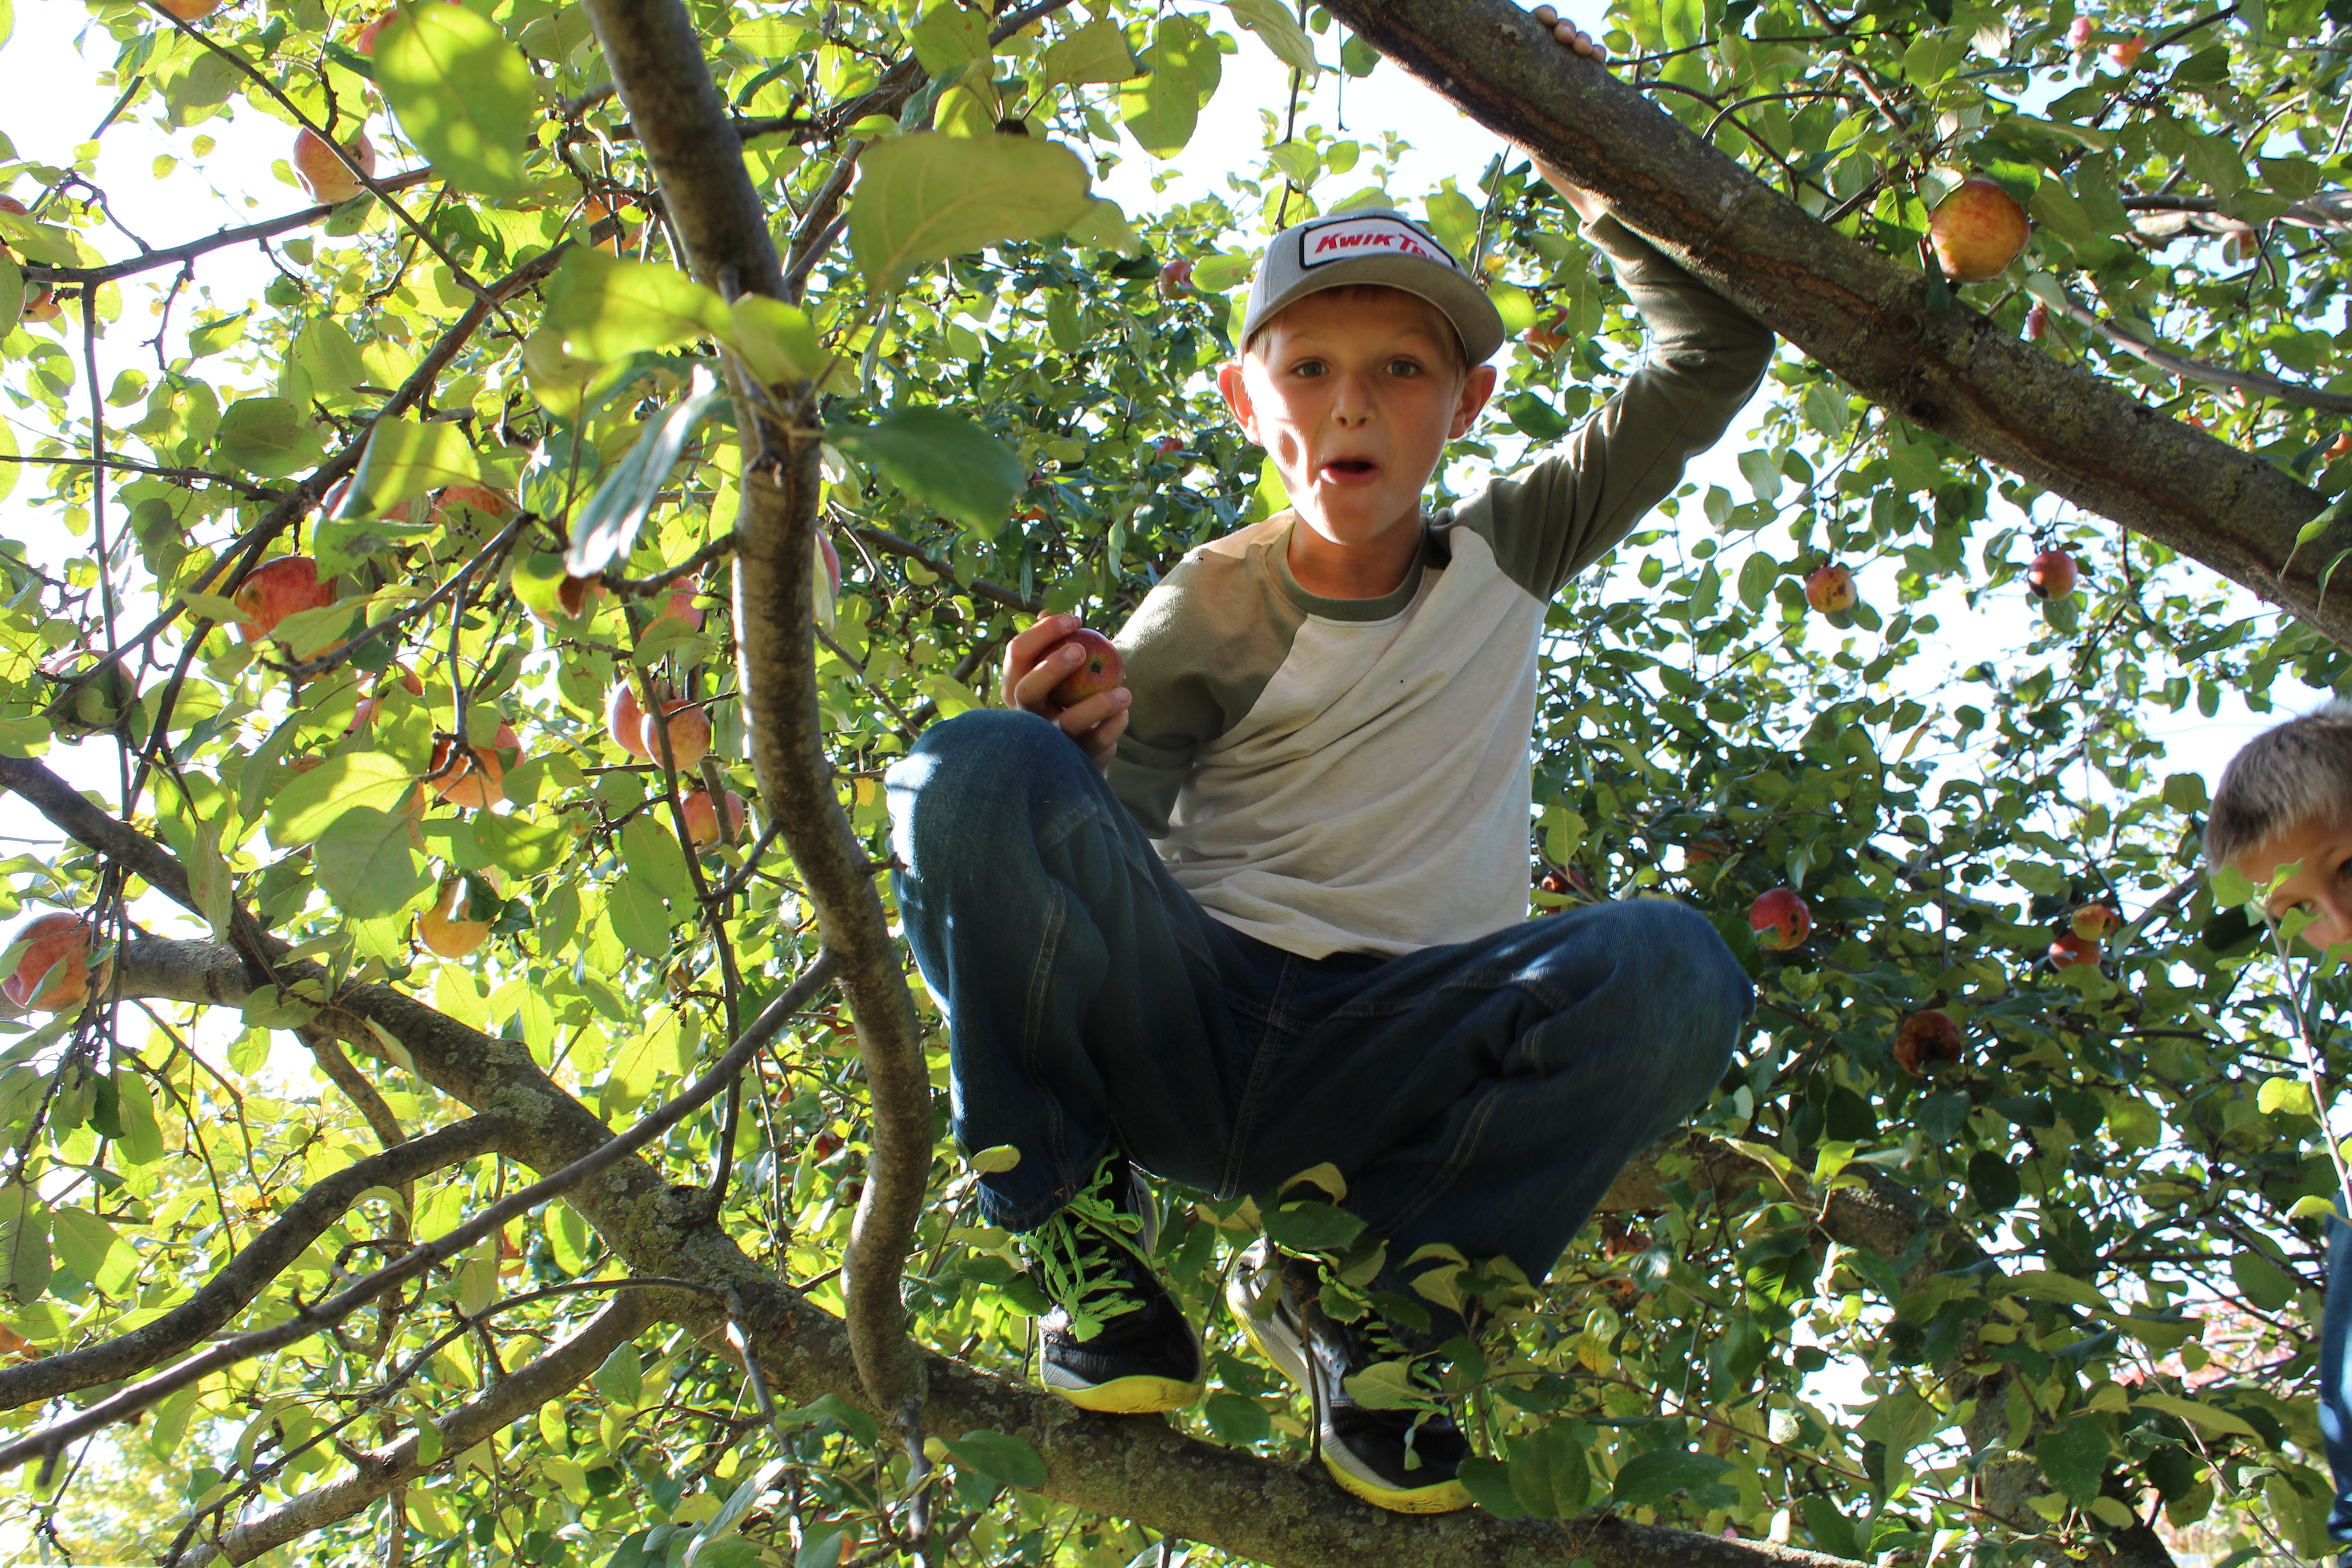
x=2290, y=775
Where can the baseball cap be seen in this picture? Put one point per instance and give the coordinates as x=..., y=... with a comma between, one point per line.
x=1372, y=245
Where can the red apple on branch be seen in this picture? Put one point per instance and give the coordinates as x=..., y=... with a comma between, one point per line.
x=689, y=732
x=447, y=927
x=1927, y=1037
x=1831, y=590
x=54, y=974
x=2096, y=923
x=323, y=174
x=276, y=589
x=2050, y=575
x=1977, y=231
x=625, y=720
x=474, y=779
x=702, y=817
x=1780, y=920
x=2069, y=952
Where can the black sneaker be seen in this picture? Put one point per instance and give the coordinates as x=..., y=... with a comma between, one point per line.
x=1115, y=1341
x=1406, y=1460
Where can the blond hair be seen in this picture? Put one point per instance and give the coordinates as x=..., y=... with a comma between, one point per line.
x=2289, y=776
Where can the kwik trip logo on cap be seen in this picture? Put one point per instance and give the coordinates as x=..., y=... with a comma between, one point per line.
x=1344, y=240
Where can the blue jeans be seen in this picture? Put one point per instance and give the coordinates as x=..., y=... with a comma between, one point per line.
x=1483, y=1094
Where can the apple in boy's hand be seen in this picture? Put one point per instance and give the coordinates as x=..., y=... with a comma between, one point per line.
x=1100, y=670
x=1780, y=920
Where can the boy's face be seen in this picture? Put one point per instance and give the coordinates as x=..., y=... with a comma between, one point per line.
x=2322, y=882
x=1354, y=396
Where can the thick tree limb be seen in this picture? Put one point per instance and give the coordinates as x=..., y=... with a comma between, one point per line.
x=655, y=57
x=520, y=1392
x=251, y=1271
x=1862, y=314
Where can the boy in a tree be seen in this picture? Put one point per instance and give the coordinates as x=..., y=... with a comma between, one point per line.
x=1325, y=958
x=2284, y=802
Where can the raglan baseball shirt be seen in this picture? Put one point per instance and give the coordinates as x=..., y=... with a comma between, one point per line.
x=1353, y=776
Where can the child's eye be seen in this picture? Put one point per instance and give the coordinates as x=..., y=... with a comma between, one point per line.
x=1403, y=367
x=1307, y=367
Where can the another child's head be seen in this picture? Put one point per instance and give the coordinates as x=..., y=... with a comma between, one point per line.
x=1363, y=353
x=2287, y=798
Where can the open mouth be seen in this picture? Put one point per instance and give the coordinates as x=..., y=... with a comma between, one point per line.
x=1352, y=467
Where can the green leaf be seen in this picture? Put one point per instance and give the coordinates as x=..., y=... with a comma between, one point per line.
x=650, y=849
x=607, y=528
x=2074, y=1457
x=2261, y=1282
x=12, y=301
x=1001, y=1458
x=462, y=94
x=521, y=845
x=325, y=350
x=269, y=437
x=603, y=309
x=403, y=460
x=1648, y=1479
x=89, y=1247
x=640, y=919
x=2197, y=1412
x=1312, y=1227
x=1488, y=1482
x=1161, y=110
x=941, y=460
x=948, y=36
x=2290, y=1095
x=1236, y=1420
x=1278, y=30
x=621, y=1377
x=142, y=1137
x=1549, y=1476
x=922, y=197
x=310, y=804
x=1097, y=52
x=777, y=342
x=1384, y=1385
x=366, y=865
x=991, y=1161
x=25, y=1242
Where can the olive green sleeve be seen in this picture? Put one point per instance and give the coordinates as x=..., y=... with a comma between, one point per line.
x=1199, y=651
x=1706, y=359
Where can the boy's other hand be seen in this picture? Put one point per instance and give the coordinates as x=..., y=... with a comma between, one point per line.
x=1034, y=665
x=1587, y=206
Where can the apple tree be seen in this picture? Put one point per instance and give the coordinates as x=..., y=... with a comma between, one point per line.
x=474, y=1107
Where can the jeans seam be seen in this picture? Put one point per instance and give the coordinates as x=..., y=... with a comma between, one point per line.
x=1438, y=1184
x=1261, y=1066
x=1031, y=1028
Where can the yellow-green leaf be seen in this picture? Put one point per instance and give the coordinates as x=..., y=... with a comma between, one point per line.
x=923, y=198
x=463, y=95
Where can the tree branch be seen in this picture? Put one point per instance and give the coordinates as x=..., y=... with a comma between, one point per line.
x=236, y=1286
x=520, y=1392
x=655, y=57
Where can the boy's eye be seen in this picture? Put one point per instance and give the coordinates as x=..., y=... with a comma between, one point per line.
x=1307, y=367
x=1403, y=367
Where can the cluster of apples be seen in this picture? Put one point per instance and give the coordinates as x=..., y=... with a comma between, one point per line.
x=2051, y=576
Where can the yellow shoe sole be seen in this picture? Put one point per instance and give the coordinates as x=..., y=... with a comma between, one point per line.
x=1447, y=1497
x=1133, y=1395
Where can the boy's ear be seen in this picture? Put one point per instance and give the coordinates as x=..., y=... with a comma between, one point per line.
x=1235, y=386
x=1477, y=388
